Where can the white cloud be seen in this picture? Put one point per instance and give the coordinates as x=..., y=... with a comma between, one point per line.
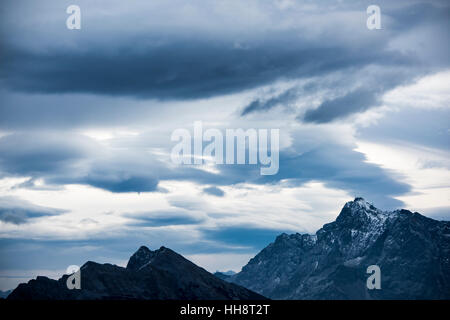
x=426, y=169
x=430, y=92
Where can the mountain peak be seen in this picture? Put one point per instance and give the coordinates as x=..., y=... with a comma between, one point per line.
x=143, y=249
x=410, y=249
x=358, y=213
x=360, y=206
x=169, y=276
x=360, y=203
x=142, y=256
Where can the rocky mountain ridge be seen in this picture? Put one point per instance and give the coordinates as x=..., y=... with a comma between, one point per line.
x=153, y=275
x=412, y=251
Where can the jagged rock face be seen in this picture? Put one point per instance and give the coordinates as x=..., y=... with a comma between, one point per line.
x=159, y=274
x=412, y=251
x=140, y=258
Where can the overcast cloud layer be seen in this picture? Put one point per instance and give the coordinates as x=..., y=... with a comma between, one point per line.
x=86, y=118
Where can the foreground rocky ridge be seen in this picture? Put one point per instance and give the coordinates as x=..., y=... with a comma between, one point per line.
x=159, y=274
x=412, y=251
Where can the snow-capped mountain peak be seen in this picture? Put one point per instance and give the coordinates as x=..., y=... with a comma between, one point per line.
x=411, y=250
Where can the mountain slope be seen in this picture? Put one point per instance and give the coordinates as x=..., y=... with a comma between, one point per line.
x=412, y=251
x=159, y=274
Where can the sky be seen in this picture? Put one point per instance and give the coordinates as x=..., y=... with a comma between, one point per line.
x=86, y=117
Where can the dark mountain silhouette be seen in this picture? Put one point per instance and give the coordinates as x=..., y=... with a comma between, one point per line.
x=412, y=251
x=159, y=274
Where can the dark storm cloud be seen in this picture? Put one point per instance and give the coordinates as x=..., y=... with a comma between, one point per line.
x=18, y=211
x=69, y=158
x=121, y=183
x=358, y=100
x=282, y=99
x=417, y=26
x=186, y=63
x=62, y=158
x=182, y=69
x=214, y=191
x=162, y=218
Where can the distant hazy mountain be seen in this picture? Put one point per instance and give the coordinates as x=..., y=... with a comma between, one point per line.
x=224, y=275
x=159, y=274
x=4, y=294
x=412, y=251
